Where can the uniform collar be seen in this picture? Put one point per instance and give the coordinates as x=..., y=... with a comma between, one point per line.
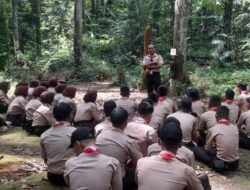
x=139, y=120
x=166, y=155
x=92, y=150
x=162, y=98
x=61, y=124
x=224, y=122
x=213, y=109
x=154, y=55
x=229, y=102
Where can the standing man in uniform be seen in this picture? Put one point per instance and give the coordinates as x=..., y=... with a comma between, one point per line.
x=152, y=64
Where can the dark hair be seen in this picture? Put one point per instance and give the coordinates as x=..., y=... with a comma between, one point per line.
x=108, y=107
x=214, y=101
x=171, y=133
x=193, y=94
x=222, y=112
x=60, y=88
x=34, y=83
x=21, y=91
x=53, y=82
x=69, y=91
x=242, y=86
x=38, y=91
x=153, y=96
x=185, y=105
x=162, y=90
x=90, y=96
x=229, y=94
x=61, y=111
x=47, y=97
x=22, y=83
x=118, y=117
x=145, y=108
x=44, y=83
x=148, y=100
x=124, y=91
x=4, y=86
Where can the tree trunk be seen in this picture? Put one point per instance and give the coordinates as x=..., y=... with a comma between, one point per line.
x=227, y=17
x=78, y=31
x=93, y=7
x=15, y=29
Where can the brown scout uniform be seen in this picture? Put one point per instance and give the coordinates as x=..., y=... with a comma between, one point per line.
x=86, y=112
x=106, y=124
x=4, y=100
x=158, y=116
x=167, y=103
x=17, y=106
x=158, y=173
x=43, y=116
x=31, y=107
x=142, y=133
x=129, y=105
x=207, y=120
x=55, y=149
x=244, y=123
x=241, y=101
x=95, y=172
x=233, y=111
x=114, y=143
x=198, y=107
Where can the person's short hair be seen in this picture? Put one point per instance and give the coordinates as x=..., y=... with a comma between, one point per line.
x=4, y=86
x=47, y=97
x=44, y=83
x=61, y=111
x=53, y=82
x=80, y=134
x=171, y=133
x=38, y=91
x=34, y=83
x=21, y=91
x=162, y=90
x=69, y=91
x=22, y=83
x=242, y=86
x=118, y=117
x=214, y=101
x=145, y=108
x=108, y=107
x=193, y=94
x=229, y=94
x=60, y=88
x=153, y=96
x=124, y=90
x=148, y=100
x=90, y=96
x=185, y=105
x=222, y=112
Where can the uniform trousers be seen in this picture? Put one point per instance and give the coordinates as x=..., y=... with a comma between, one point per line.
x=244, y=141
x=56, y=179
x=153, y=81
x=16, y=120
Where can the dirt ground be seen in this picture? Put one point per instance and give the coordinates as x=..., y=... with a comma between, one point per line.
x=19, y=151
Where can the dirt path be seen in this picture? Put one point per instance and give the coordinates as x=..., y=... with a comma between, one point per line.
x=17, y=149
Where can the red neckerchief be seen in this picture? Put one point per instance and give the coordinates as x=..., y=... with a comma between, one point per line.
x=194, y=101
x=162, y=98
x=224, y=121
x=244, y=92
x=92, y=150
x=229, y=102
x=58, y=124
x=166, y=156
x=214, y=109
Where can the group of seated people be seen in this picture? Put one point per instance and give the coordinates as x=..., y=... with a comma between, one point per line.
x=148, y=144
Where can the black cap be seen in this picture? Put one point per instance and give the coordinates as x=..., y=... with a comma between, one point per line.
x=79, y=134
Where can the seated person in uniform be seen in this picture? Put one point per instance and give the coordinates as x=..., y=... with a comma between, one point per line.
x=106, y=124
x=81, y=171
x=222, y=145
x=188, y=122
x=4, y=99
x=115, y=143
x=55, y=143
x=33, y=84
x=32, y=106
x=59, y=90
x=139, y=128
x=159, y=113
x=16, y=109
x=167, y=103
x=53, y=82
x=42, y=117
x=87, y=113
x=232, y=106
x=241, y=99
x=207, y=119
x=244, y=128
x=165, y=171
x=69, y=94
x=44, y=83
x=126, y=102
x=198, y=106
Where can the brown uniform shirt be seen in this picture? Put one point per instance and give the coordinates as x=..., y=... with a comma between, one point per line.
x=207, y=120
x=142, y=133
x=167, y=103
x=43, y=116
x=242, y=103
x=183, y=154
x=86, y=112
x=106, y=124
x=55, y=149
x=114, y=143
x=4, y=98
x=128, y=105
x=96, y=172
x=57, y=98
x=31, y=107
x=234, y=111
x=198, y=107
x=157, y=173
x=156, y=59
x=66, y=100
x=158, y=116
x=188, y=124
x=226, y=140
x=17, y=106
x=244, y=123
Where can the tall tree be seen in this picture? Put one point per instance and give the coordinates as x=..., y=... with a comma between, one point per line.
x=78, y=31
x=227, y=17
x=15, y=28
